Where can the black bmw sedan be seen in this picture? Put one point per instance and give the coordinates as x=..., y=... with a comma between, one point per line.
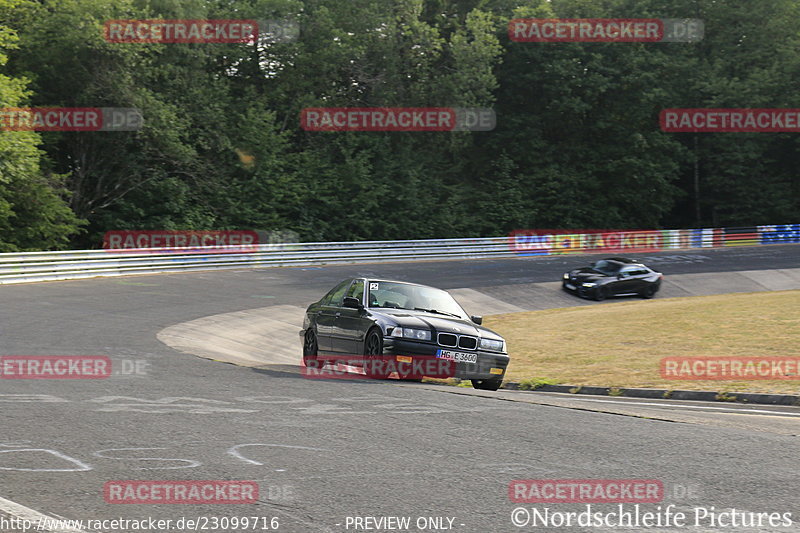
x=613, y=276
x=381, y=320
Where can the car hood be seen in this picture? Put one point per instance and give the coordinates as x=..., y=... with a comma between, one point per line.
x=420, y=319
x=586, y=274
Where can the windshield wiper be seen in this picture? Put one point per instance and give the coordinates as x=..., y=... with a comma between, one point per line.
x=436, y=312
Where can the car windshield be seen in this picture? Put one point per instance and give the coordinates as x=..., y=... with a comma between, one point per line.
x=405, y=296
x=607, y=267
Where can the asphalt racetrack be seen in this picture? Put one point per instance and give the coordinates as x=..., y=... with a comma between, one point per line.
x=325, y=453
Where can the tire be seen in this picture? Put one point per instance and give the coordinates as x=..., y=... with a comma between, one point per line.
x=375, y=365
x=487, y=384
x=311, y=350
x=600, y=293
x=649, y=292
x=409, y=376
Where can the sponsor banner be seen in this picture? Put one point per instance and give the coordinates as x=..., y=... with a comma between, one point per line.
x=180, y=31
x=529, y=30
x=553, y=242
x=741, y=236
x=70, y=119
x=730, y=120
x=787, y=233
x=182, y=241
x=397, y=119
x=54, y=367
x=682, y=238
x=708, y=238
x=180, y=492
x=381, y=366
x=730, y=368
x=563, y=241
x=586, y=491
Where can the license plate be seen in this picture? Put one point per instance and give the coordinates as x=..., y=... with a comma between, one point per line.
x=570, y=286
x=458, y=357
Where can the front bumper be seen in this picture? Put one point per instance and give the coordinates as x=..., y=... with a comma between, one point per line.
x=575, y=287
x=489, y=365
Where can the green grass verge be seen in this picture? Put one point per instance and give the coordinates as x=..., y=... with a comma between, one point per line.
x=620, y=343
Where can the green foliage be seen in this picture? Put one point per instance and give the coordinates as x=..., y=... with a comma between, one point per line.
x=724, y=396
x=535, y=383
x=577, y=142
x=33, y=212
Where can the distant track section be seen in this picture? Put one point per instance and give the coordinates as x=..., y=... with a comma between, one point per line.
x=49, y=266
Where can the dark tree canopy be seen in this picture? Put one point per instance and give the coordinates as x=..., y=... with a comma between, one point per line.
x=577, y=142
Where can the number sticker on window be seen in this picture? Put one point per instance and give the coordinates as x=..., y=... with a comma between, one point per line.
x=373, y=286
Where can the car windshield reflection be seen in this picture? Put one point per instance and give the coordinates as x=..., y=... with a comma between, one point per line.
x=606, y=267
x=384, y=294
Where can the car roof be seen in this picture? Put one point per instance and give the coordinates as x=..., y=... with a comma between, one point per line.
x=625, y=260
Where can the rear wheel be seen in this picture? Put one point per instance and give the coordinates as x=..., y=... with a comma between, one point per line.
x=600, y=293
x=375, y=365
x=487, y=384
x=649, y=291
x=311, y=350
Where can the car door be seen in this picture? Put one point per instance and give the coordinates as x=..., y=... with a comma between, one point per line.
x=639, y=279
x=348, y=325
x=326, y=315
x=626, y=281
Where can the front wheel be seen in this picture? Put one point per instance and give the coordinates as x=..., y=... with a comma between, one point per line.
x=311, y=350
x=600, y=293
x=487, y=384
x=375, y=365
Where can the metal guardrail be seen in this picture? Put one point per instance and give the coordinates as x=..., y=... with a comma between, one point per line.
x=48, y=266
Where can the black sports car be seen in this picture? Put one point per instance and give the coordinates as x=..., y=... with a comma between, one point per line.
x=370, y=319
x=613, y=276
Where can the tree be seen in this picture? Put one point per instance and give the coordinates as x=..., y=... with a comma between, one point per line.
x=34, y=214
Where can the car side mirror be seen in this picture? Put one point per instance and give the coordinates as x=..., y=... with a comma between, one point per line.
x=477, y=319
x=352, y=303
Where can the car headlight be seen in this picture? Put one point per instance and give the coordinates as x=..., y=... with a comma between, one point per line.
x=566, y=275
x=588, y=284
x=492, y=344
x=411, y=333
